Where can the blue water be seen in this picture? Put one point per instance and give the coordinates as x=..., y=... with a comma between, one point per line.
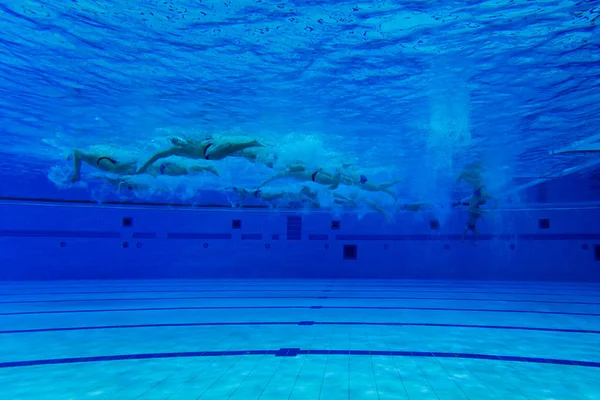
x=412, y=90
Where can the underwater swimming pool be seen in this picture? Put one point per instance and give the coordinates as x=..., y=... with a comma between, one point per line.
x=299, y=339
x=299, y=200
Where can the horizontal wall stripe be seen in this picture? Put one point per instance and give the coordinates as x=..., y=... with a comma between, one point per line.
x=124, y=203
x=186, y=235
x=298, y=307
x=292, y=352
x=315, y=236
x=60, y=234
x=295, y=234
x=455, y=237
x=301, y=323
x=124, y=299
x=144, y=235
x=251, y=236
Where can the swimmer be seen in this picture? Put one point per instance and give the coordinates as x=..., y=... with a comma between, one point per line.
x=125, y=183
x=594, y=148
x=355, y=203
x=207, y=149
x=257, y=155
x=300, y=172
x=472, y=174
x=305, y=196
x=174, y=169
x=474, y=214
x=362, y=182
x=414, y=207
x=102, y=161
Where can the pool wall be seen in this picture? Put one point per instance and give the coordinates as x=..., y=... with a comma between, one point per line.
x=54, y=241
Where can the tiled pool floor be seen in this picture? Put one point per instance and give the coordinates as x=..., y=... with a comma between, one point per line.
x=273, y=340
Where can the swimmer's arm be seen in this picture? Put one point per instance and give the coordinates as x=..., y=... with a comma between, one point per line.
x=113, y=181
x=296, y=168
x=495, y=200
x=273, y=178
x=156, y=157
x=339, y=196
x=460, y=178
x=478, y=212
x=243, y=194
x=199, y=168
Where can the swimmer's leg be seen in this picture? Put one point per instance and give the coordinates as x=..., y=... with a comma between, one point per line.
x=475, y=235
x=394, y=196
x=385, y=186
x=296, y=168
x=222, y=150
x=337, y=178
x=380, y=210
x=464, y=234
x=76, y=166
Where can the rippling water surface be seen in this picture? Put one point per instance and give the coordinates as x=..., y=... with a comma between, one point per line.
x=410, y=89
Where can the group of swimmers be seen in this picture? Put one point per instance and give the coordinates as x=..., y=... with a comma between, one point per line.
x=213, y=149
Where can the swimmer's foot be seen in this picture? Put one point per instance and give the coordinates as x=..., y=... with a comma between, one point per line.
x=256, y=143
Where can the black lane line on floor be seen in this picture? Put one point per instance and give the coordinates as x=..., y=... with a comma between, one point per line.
x=295, y=297
x=293, y=352
x=318, y=307
x=300, y=323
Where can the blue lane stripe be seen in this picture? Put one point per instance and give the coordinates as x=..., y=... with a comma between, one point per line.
x=318, y=237
x=144, y=235
x=291, y=352
x=455, y=237
x=300, y=323
x=483, y=291
x=299, y=297
x=251, y=236
x=299, y=307
x=192, y=235
x=60, y=234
